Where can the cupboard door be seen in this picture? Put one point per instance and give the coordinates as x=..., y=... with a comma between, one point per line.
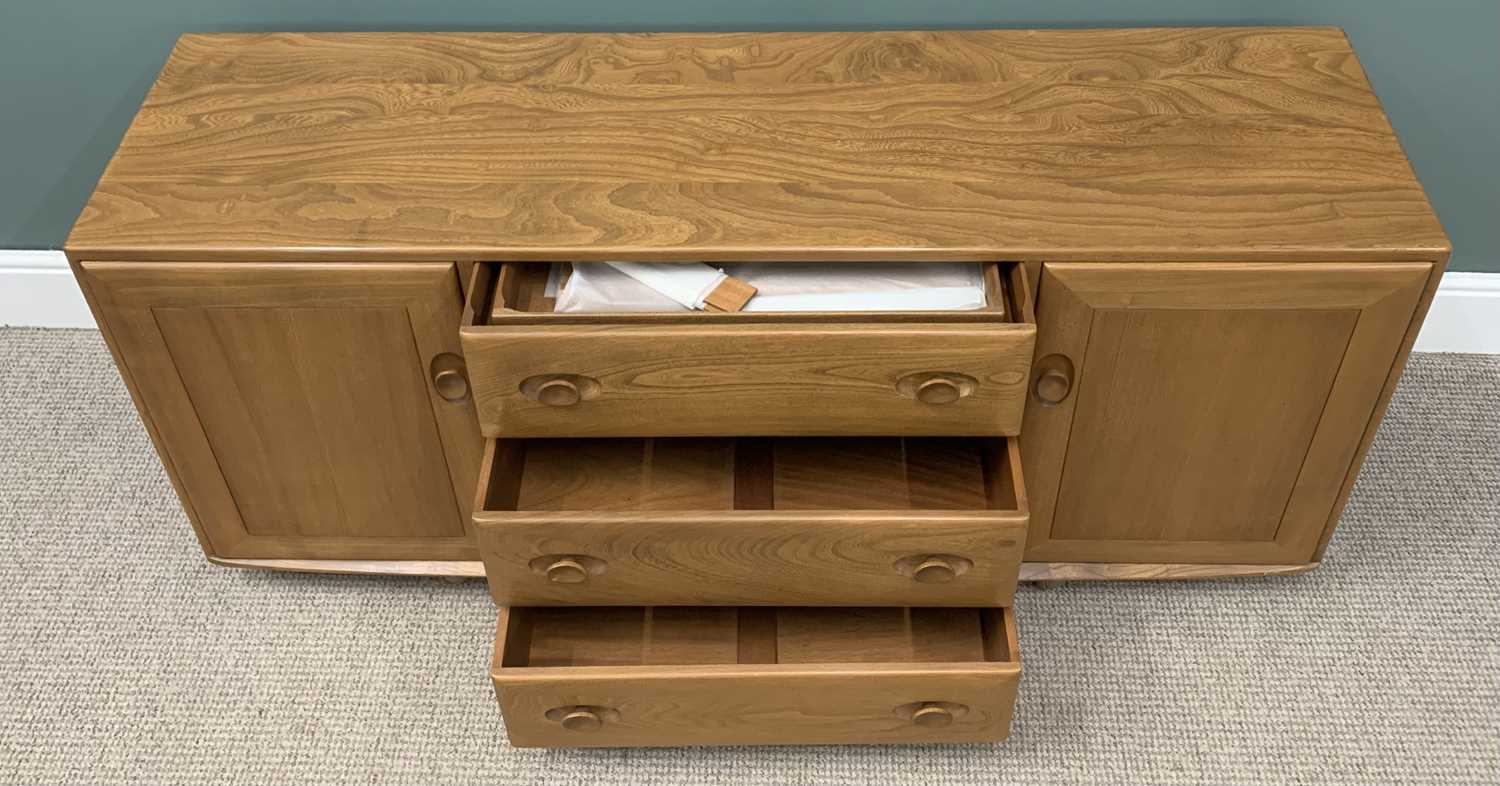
x=1203, y=413
x=297, y=407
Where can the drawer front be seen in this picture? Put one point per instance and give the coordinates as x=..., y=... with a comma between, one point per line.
x=858, y=703
x=749, y=379
x=601, y=677
x=765, y=521
x=917, y=558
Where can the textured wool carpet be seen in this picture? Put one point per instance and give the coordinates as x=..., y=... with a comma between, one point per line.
x=128, y=658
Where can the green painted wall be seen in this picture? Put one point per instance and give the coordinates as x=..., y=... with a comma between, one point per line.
x=72, y=72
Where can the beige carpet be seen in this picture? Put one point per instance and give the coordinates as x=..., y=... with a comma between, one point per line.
x=127, y=658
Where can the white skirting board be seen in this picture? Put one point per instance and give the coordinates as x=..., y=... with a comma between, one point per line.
x=37, y=290
x=1465, y=315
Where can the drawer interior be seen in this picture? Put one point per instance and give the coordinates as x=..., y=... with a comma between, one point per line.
x=516, y=293
x=726, y=474
x=571, y=636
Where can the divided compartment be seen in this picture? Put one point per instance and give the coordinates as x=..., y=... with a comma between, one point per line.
x=752, y=521
x=520, y=295
x=592, y=676
x=538, y=373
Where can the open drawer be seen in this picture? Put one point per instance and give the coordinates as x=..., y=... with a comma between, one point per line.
x=538, y=373
x=631, y=676
x=931, y=521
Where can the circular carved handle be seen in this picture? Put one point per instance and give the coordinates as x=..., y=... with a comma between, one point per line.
x=558, y=393
x=1054, y=379
x=936, y=387
x=581, y=720
x=567, y=571
x=939, y=391
x=934, y=570
x=449, y=377
x=932, y=716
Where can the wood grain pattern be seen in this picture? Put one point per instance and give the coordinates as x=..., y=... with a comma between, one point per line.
x=830, y=539
x=967, y=659
x=1235, y=143
x=1216, y=410
x=1387, y=390
x=1185, y=145
x=273, y=392
x=1222, y=464
x=1147, y=571
x=739, y=373
x=627, y=474
x=456, y=570
x=765, y=379
x=635, y=636
x=1030, y=571
x=880, y=635
x=843, y=473
x=294, y=406
x=760, y=58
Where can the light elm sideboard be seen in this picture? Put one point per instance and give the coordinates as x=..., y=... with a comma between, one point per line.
x=319, y=261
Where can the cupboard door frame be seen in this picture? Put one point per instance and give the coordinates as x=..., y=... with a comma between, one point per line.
x=125, y=297
x=1385, y=297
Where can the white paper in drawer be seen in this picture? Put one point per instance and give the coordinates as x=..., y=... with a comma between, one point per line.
x=795, y=286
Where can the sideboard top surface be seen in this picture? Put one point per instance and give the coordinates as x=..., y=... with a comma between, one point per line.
x=1139, y=144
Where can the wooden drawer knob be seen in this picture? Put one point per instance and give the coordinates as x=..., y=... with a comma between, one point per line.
x=1054, y=379
x=558, y=393
x=567, y=568
x=581, y=719
x=567, y=571
x=932, y=716
x=934, y=570
x=936, y=387
x=449, y=377
x=1053, y=386
x=939, y=391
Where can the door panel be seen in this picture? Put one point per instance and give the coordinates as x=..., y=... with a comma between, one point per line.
x=292, y=403
x=1213, y=410
x=1155, y=383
